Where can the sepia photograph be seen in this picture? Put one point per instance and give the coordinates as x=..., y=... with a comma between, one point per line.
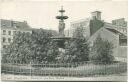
x=61, y=40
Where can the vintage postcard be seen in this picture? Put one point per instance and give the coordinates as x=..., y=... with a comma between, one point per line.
x=62, y=40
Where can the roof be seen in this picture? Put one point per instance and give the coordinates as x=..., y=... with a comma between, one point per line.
x=112, y=25
x=10, y=24
x=114, y=28
x=53, y=32
x=111, y=29
x=81, y=20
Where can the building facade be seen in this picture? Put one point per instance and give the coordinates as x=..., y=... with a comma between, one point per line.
x=83, y=25
x=115, y=32
x=119, y=22
x=9, y=28
x=66, y=33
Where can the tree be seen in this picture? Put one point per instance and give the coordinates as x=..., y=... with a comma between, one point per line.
x=45, y=49
x=19, y=50
x=102, y=51
x=36, y=47
x=77, y=49
x=78, y=33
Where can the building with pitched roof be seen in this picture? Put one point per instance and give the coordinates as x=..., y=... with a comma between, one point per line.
x=9, y=28
x=115, y=32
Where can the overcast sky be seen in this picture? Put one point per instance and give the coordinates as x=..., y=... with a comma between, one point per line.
x=41, y=14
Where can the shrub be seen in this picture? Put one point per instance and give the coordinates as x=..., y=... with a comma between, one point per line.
x=35, y=47
x=76, y=50
x=101, y=51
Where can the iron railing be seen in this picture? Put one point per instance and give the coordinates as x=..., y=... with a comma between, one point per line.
x=82, y=69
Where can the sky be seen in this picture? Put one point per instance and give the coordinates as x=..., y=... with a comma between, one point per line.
x=41, y=14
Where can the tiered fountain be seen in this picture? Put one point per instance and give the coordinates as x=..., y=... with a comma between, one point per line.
x=61, y=37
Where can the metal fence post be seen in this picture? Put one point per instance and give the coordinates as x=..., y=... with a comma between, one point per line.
x=30, y=69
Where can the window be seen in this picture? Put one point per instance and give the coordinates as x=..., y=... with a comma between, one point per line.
x=124, y=30
x=17, y=26
x=4, y=32
x=9, y=32
x=9, y=39
x=123, y=42
x=4, y=39
x=3, y=24
x=4, y=46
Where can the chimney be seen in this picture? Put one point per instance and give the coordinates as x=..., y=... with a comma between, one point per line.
x=96, y=15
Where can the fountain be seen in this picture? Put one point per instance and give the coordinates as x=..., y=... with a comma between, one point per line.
x=61, y=37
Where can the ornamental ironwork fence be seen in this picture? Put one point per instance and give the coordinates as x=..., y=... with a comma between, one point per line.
x=82, y=69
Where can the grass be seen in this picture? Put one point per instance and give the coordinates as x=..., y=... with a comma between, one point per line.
x=85, y=70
